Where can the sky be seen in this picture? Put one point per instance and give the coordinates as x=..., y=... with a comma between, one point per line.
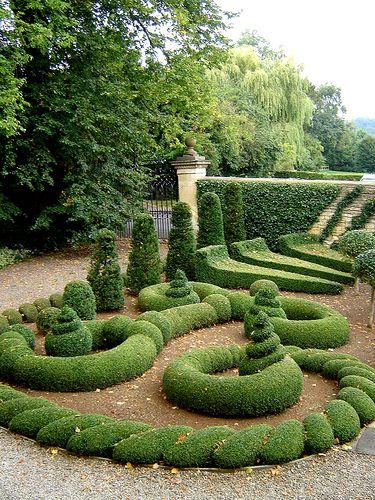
x=333, y=39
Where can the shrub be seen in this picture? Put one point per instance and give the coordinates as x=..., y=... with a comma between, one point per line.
x=183, y=319
x=29, y=422
x=154, y=298
x=285, y=443
x=210, y=221
x=100, y=439
x=364, y=269
x=114, y=330
x=13, y=316
x=26, y=333
x=197, y=450
x=149, y=447
x=4, y=324
x=234, y=217
x=221, y=305
x=42, y=303
x=58, y=432
x=96, y=328
x=365, y=372
x=367, y=211
x=343, y=419
x=181, y=242
x=29, y=312
x=360, y=383
x=7, y=393
x=46, y=319
x=69, y=337
x=13, y=407
x=144, y=266
x=57, y=300
x=179, y=286
x=79, y=296
x=159, y=320
x=215, y=266
x=105, y=273
x=266, y=301
x=147, y=329
x=331, y=368
x=360, y=401
x=318, y=433
x=242, y=449
x=353, y=243
x=260, y=284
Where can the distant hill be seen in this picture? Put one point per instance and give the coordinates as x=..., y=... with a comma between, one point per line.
x=366, y=124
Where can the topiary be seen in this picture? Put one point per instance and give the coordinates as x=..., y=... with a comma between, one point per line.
x=144, y=266
x=318, y=433
x=179, y=286
x=181, y=242
x=46, y=319
x=56, y=300
x=13, y=316
x=79, y=296
x=69, y=337
x=26, y=332
x=42, y=303
x=4, y=324
x=114, y=330
x=158, y=319
x=354, y=243
x=105, y=273
x=234, y=217
x=260, y=284
x=147, y=329
x=221, y=305
x=29, y=312
x=210, y=221
x=285, y=443
x=266, y=300
x=343, y=419
x=364, y=269
x=361, y=402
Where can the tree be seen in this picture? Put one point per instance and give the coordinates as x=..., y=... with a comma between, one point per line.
x=181, y=242
x=210, y=221
x=364, y=269
x=234, y=216
x=365, y=154
x=105, y=273
x=144, y=266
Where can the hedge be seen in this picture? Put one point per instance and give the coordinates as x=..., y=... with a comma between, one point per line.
x=257, y=253
x=29, y=312
x=367, y=211
x=306, y=246
x=79, y=296
x=182, y=446
x=153, y=298
x=215, y=266
x=13, y=316
x=308, y=174
x=273, y=209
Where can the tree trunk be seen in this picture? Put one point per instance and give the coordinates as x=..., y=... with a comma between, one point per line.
x=356, y=285
x=372, y=309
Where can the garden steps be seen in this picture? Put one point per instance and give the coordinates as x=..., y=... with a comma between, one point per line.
x=370, y=224
x=327, y=213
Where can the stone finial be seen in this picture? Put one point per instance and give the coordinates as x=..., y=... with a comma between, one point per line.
x=190, y=143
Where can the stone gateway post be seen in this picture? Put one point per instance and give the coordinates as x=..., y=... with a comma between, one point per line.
x=190, y=168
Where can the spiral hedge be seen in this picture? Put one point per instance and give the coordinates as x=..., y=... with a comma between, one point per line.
x=217, y=446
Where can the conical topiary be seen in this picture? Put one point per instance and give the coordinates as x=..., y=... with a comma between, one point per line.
x=180, y=286
x=181, y=242
x=69, y=337
x=234, y=217
x=210, y=221
x=144, y=267
x=265, y=347
x=105, y=273
x=265, y=300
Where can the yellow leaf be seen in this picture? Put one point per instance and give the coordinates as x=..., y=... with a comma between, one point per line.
x=54, y=451
x=128, y=465
x=155, y=466
x=175, y=470
x=77, y=429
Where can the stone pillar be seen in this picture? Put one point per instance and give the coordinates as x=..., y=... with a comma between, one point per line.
x=190, y=168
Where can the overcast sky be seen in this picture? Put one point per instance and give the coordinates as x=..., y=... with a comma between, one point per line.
x=334, y=39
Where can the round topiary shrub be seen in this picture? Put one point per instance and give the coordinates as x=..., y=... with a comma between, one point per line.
x=29, y=312
x=181, y=242
x=361, y=402
x=318, y=433
x=42, y=303
x=210, y=221
x=353, y=243
x=4, y=324
x=26, y=333
x=69, y=337
x=364, y=269
x=284, y=444
x=160, y=320
x=105, y=273
x=261, y=284
x=56, y=300
x=343, y=419
x=114, y=330
x=265, y=301
x=13, y=316
x=144, y=266
x=79, y=296
x=46, y=319
x=221, y=305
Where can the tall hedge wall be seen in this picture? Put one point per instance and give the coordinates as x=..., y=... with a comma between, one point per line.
x=273, y=209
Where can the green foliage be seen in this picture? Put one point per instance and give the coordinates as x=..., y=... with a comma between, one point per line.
x=318, y=433
x=4, y=324
x=12, y=407
x=42, y=303
x=233, y=215
x=56, y=300
x=221, y=305
x=7, y=255
x=362, y=383
x=159, y=320
x=323, y=175
x=273, y=209
x=13, y=316
x=29, y=312
x=256, y=252
x=29, y=422
x=189, y=317
x=79, y=296
x=367, y=211
x=105, y=274
x=26, y=333
x=144, y=266
x=147, y=329
x=365, y=153
x=266, y=300
x=215, y=266
x=46, y=319
x=181, y=242
x=77, y=340
x=210, y=221
x=343, y=419
x=361, y=371
x=154, y=298
x=364, y=267
x=360, y=401
x=349, y=198
x=353, y=243
x=114, y=330
x=285, y=443
x=306, y=246
x=259, y=284
x=179, y=286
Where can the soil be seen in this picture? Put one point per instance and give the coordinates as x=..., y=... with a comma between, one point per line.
x=143, y=398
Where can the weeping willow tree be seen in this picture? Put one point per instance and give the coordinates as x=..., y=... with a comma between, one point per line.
x=269, y=98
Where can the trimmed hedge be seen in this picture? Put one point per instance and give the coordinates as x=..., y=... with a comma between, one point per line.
x=285, y=443
x=114, y=331
x=361, y=402
x=183, y=319
x=13, y=316
x=260, y=284
x=158, y=319
x=318, y=433
x=42, y=303
x=46, y=318
x=56, y=300
x=148, y=330
x=4, y=324
x=13, y=407
x=233, y=214
x=343, y=419
x=26, y=333
x=154, y=298
x=210, y=221
x=257, y=253
x=215, y=266
x=327, y=175
x=221, y=305
x=29, y=312
x=29, y=422
x=79, y=296
x=306, y=246
x=273, y=209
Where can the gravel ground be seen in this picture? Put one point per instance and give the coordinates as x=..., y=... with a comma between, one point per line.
x=29, y=471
